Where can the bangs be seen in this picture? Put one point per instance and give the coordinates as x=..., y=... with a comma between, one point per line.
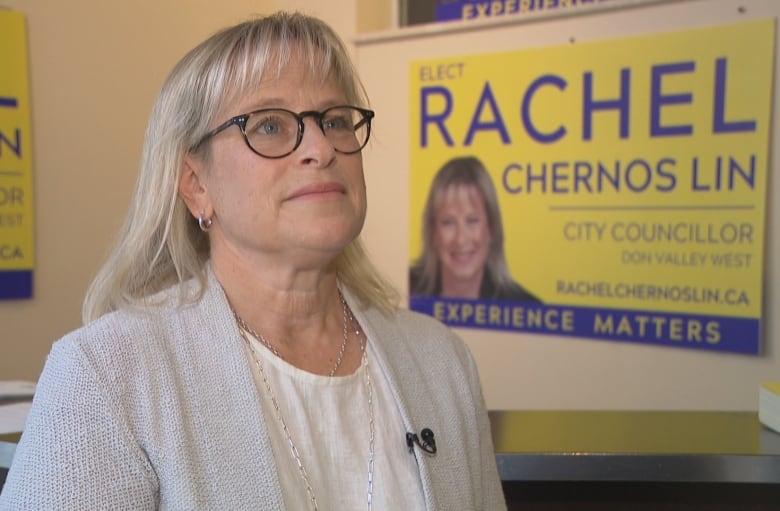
x=264, y=51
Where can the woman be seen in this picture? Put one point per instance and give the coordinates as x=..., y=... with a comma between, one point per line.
x=240, y=351
x=463, y=239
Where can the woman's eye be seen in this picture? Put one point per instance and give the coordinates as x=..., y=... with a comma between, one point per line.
x=267, y=127
x=268, y=124
x=336, y=122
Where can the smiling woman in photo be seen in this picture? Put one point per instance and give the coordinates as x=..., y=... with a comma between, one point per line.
x=463, y=238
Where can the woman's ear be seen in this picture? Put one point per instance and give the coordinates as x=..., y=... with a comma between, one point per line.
x=192, y=189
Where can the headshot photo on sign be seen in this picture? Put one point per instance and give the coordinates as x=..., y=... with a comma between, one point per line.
x=239, y=350
x=463, y=238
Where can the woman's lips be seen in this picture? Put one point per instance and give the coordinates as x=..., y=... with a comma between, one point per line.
x=462, y=257
x=317, y=189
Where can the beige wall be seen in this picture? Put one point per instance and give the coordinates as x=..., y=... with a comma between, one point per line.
x=96, y=67
x=374, y=15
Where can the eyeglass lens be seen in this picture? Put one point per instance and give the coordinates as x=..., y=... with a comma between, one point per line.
x=275, y=132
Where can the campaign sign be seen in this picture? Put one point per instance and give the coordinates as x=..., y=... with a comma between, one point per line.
x=16, y=205
x=610, y=190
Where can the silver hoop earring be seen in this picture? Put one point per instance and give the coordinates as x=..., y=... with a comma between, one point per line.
x=204, y=223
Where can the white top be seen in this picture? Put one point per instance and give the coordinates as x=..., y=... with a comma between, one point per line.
x=328, y=421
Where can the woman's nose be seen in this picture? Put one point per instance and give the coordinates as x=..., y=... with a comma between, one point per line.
x=462, y=232
x=315, y=146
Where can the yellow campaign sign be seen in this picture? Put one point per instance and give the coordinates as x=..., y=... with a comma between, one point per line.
x=628, y=186
x=16, y=205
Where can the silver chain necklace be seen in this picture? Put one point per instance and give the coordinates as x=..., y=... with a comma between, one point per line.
x=277, y=411
x=346, y=317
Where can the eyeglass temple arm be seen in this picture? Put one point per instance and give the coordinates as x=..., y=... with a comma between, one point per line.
x=366, y=117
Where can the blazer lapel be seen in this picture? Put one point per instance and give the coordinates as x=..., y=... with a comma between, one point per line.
x=396, y=360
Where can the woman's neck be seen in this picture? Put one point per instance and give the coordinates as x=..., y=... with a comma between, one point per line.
x=301, y=316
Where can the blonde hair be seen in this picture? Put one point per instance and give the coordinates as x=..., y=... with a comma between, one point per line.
x=160, y=244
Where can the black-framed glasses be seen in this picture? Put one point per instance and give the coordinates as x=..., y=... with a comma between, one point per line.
x=276, y=132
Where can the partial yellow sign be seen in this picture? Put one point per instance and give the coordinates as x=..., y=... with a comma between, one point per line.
x=630, y=176
x=16, y=194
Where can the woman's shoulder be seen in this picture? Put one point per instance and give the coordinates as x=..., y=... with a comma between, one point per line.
x=422, y=334
x=416, y=322
x=132, y=352
x=127, y=334
x=416, y=280
x=115, y=340
x=511, y=290
x=118, y=324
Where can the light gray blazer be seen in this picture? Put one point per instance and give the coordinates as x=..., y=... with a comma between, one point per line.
x=159, y=411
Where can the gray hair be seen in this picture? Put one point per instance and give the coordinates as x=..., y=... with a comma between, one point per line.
x=159, y=244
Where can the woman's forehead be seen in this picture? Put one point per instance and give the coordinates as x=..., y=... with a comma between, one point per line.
x=283, y=87
x=460, y=193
